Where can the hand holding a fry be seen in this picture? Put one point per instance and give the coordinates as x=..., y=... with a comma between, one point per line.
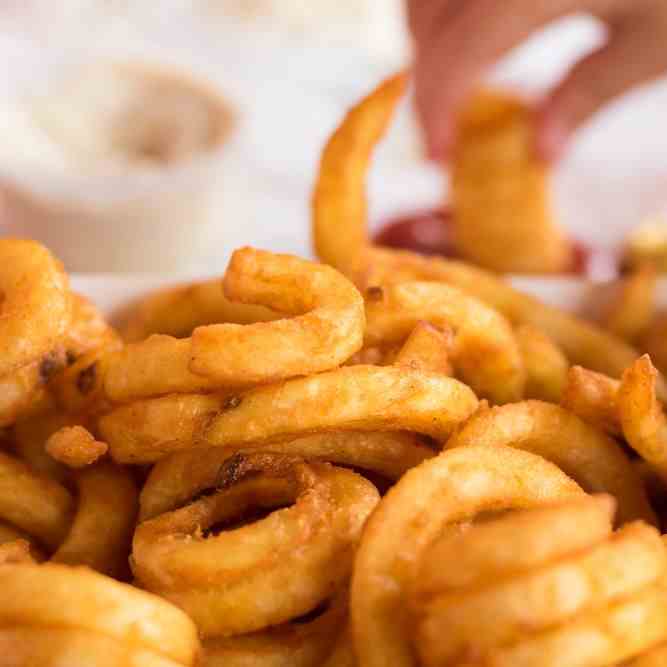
x=456, y=41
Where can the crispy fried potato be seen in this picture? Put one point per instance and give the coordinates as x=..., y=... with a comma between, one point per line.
x=339, y=206
x=427, y=349
x=502, y=211
x=546, y=365
x=226, y=580
x=184, y=474
x=642, y=416
x=654, y=342
x=593, y=397
x=297, y=644
x=53, y=597
x=325, y=330
x=102, y=527
x=551, y=594
x=583, y=343
x=35, y=301
x=587, y=455
x=604, y=636
x=476, y=558
x=632, y=309
x=178, y=311
x=453, y=487
x=88, y=330
x=34, y=503
x=75, y=447
x=484, y=350
x=329, y=331
x=354, y=398
x=22, y=393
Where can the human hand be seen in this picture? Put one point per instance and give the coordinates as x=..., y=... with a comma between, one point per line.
x=457, y=40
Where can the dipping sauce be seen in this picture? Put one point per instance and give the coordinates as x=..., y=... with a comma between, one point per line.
x=429, y=232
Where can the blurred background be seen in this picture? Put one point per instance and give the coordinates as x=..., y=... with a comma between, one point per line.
x=142, y=136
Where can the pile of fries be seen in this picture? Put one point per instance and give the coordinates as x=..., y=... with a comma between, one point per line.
x=378, y=460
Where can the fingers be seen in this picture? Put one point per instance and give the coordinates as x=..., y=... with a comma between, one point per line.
x=455, y=42
x=635, y=54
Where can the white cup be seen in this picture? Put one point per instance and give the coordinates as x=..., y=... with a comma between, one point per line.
x=120, y=169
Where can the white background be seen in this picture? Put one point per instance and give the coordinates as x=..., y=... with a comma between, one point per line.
x=291, y=85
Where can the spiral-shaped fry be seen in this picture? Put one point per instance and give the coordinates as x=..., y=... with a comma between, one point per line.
x=354, y=398
x=101, y=531
x=94, y=530
x=35, y=311
x=177, y=311
x=585, y=597
x=484, y=350
x=176, y=478
x=78, y=389
x=590, y=457
x=454, y=487
x=303, y=642
x=53, y=615
x=325, y=329
x=227, y=579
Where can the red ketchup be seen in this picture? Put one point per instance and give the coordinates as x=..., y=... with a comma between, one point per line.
x=429, y=233
x=426, y=232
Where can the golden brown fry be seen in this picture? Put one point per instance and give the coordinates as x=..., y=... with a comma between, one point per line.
x=184, y=474
x=453, y=487
x=484, y=350
x=502, y=213
x=373, y=355
x=354, y=398
x=177, y=311
x=294, y=644
x=593, y=397
x=604, y=636
x=343, y=653
x=23, y=392
x=655, y=657
x=647, y=244
x=642, y=416
x=583, y=343
x=75, y=447
x=36, y=304
x=54, y=647
x=654, y=341
x=105, y=517
x=509, y=611
x=339, y=212
x=587, y=455
x=88, y=330
x=326, y=328
x=427, y=349
x=15, y=552
x=29, y=440
x=633, y=307
x=79, y=388
x=226, y=580
x=34, y=503
x=56, y=600
x=9, y=533
x=483, y=555
x=546, y=365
